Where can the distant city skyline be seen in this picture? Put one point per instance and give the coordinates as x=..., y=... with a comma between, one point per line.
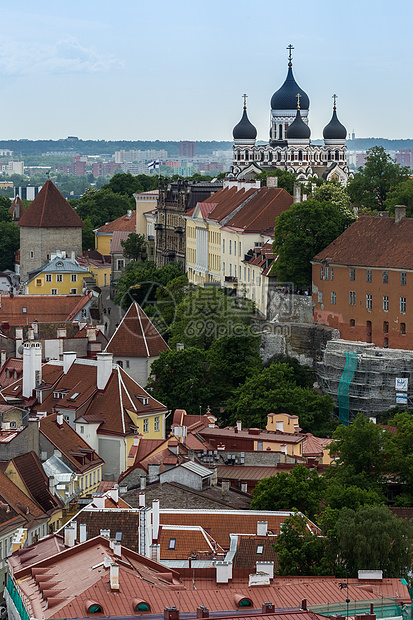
x=177, y=71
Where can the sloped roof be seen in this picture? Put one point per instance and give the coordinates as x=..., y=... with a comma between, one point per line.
x=247, y=551
x=61, y=265
x=69, y=443
x=115, y=242
x=314, y=446
x=50, y=374
x=24, y=309
x=125, y=222
x=35, y=480
x=50, y=210
x=246, y=472
x=12, y=365
x=373, y=242
x=189, y=540
x=136, y=336
x=19, y=501
x=115, y=520
x=259, y=213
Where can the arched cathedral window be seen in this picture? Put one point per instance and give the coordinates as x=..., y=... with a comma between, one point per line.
x=337, y=155
x=280, y=132
x=300, y=156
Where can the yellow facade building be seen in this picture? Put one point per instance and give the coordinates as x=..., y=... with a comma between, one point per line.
x=61, y=276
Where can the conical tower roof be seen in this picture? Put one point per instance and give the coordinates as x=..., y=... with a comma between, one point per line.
x=50, y=210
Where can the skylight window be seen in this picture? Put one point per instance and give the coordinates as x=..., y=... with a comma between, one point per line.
x=74, y=396
x=16, y=387
x=260, y=549
x=172, y=543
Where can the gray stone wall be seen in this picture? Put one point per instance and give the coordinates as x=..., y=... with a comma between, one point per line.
x=299, y=340
x=282, y=307
x=43, y=242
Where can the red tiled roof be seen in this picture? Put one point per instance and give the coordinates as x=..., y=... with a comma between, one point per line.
x=217, y=433
x=246, y=555
x=136, y=336
x=42, y=308
x=224, y=202
x=12, y=366
x=68, y=442
x=313, y=446
x=50, y=374
x=115, y=242
x=50, y=210
x=35, y=480
x=373, y=242
x=19, y=501
x=245, y=472
x=188, y=541
x=121, y=223
x=259, y=213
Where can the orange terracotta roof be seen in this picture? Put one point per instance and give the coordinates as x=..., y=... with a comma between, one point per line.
x=35, y=480
x=136, y=336
x=373, y=242
x=314, y=446
x=70, y=444
x=260, y=212
x=121, y=223
x=50, y=210
x=179, y=543
x=252, y=549
x=11, y=370
x=50, y=374
x=24, y=309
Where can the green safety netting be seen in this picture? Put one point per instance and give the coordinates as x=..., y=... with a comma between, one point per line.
x=344, y=387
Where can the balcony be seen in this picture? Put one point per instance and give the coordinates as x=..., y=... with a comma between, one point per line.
x=231, y=279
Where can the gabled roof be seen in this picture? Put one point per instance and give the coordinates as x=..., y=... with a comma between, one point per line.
x=115, y=242
x=121, y=520
x=24, y=309
x=12, y=366
x=260, y=212
x=60, y=265
x=19, y=501
x=70, y=444
x=188, y=541
x=125, y=222
x=136, y=336
x=252, y=549
x=35, y=480
x=373, y=242
x=50, y=210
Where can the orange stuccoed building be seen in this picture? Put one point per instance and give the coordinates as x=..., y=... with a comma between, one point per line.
x=363, y=281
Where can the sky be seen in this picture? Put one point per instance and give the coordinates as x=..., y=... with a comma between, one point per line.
x=177, y=69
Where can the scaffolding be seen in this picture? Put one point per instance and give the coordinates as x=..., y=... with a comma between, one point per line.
x=383, y=607
x=362, y=377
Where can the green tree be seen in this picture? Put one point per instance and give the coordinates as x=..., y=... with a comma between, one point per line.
x=285, y=179
x=400, y=456
x=301, y=489
x=371, y=537
x=101, y=206
x=5, y=204
x=300, y=551
x=401, y=194
x=128, y=184
x=273, y=390
x=88, y=235
x=179, y=380
x=132, y=246
x=206, y=314
x=9, y=243
x=334, y=192
x=301, y=233
x=339, y=496
x=360, y=454
x=303, y=375
x=372, y=183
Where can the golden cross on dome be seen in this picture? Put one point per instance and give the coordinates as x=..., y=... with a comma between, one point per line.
x=335, y=100
x=245, y=100
x=290, y=56
x=298, y=100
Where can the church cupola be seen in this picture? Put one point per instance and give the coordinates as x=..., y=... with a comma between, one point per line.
x=334, y=132
x=298, y=132
x=244, y=132
x=284, y=105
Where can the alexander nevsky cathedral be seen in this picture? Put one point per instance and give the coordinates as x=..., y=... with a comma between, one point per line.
x=289, y=146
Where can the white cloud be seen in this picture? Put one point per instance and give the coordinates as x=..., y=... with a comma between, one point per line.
x=66, y=55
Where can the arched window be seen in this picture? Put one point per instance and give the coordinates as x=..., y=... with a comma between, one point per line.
x=329, y=156
x=246, y=155
x=337, y=155
x=280, y=132
x=238, y=155
x=270, y=156
x=279, y=156
x=300, y=156
x=262, y=155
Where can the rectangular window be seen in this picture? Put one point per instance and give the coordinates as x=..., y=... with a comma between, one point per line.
x=240, y=272
x=402, y=304
x=73, y=277
x=403, y=278
x=54, y=291
x=320, y=297
x=121, y=264
x=332, y=273
x=369, y=301
x=239, y=248
x=38, y=281
x=172, y=543
x=59, y=277
x=230, y=269
x=245, y=273
x=73, y=291
x=31, y=254
x=321, y=272
x=385, y=277
x=146, y=426
x=230, y=247
x=352, y=298
x=333, y=298
x=223, y=246
x=249, y=270
x=352, y=274
x=326, y=273
x=368, y=275
x=156, y=424
x=48, y=277
x=223, y=269
x=403, y=329
x=386, y=303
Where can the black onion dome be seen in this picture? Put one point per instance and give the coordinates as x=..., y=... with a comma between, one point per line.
x=298, y=129
x=245, y=130
x=334, y=130
x=286, y=97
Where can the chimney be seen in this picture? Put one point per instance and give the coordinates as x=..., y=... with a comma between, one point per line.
x=99, y=501
x=82, y=532
x=173, y=446
x=399, y=213
x=268, y=608
x=225, y=489
x=70, y=536
x=105, y=533
x=155, y=520
x=265, y=567
x=222, y=572
x=262, y=528
x=114, y=494
x=171, y=613
x=141, y=499
x=143, y=483
x=114, y=576
x=136, y=440
x=304, y=604
x=59, y=419
x=297, y=192
x=68, y=359
x=51, y=485
x=3, y=356
x=272, y=181
x=117, y=548
x=202, y=612
x=104, y=369
x=32, y=367
x=72, y=255
x=154, y=470
x=180, y=346
x=239, y=426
